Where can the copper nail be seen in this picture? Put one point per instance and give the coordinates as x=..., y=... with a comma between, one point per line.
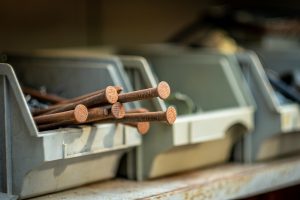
x=84, y=99
x=142, y=127
x=78, y=115
x=162, y=91
x=41, y=96
x=116, y=111
x=110, y=96
x=118, y=89
x=169, y=116
x=42, y=111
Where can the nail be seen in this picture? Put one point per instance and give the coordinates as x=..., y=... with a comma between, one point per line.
x=52, y=98
x=169, y=116
x=116, y=111
x=162, y=91
x=78, y=115
x=142, y=127
x=118, y=89
x=110, y=96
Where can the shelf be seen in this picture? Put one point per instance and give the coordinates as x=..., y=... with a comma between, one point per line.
x=228, y=181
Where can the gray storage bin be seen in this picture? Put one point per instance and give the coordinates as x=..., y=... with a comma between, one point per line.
x=227, y=112
x=215, y=84
x=276, y=123
x=35, y=163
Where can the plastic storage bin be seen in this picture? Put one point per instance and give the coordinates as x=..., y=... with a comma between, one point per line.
x=35, y=163
x=215, y=84
x=197, y=139
x=276, y=123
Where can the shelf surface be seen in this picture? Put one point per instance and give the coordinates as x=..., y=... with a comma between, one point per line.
x=228, y=181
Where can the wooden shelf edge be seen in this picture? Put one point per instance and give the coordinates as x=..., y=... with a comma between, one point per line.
x=228, y=181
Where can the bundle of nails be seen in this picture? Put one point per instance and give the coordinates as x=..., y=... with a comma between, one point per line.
x=102, y=106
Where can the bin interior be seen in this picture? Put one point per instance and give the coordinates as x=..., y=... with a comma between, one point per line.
x=280, y=62
x=208, y=80
x=65, y=77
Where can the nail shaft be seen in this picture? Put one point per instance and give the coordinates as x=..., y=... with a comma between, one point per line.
x=118, y=89
x=79, y=114
x=42, y=96
x=162, y=91
x=116, y=111
x=110, y=96
x=169, y=117
x=142, y=127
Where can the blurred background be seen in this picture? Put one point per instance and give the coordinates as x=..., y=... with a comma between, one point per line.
x=48, y=24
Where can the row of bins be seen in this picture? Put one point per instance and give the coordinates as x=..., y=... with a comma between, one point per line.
x=227, y=110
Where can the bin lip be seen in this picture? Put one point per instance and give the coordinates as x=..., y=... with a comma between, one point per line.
x=70, y=130
x=225, y=113
x=60, y=131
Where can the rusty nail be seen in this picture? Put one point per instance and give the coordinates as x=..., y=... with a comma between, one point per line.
x=118, y=89
x=109, y=96
x=42, y=96
x=169, y=116
x=78, y=115
x=116, y=111
x=142, y=127
x=162, y=91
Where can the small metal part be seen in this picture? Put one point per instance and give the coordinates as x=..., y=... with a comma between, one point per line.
x=118, y=88
x=117, y=111
x=78, y=115
x=142, y=127
x=109, y=96
x=43, y=96
x=169, y=116
x=162, y=91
